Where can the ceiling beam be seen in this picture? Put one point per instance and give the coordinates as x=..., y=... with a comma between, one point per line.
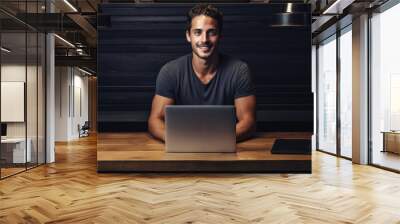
x=84, y=61
x=86, y=27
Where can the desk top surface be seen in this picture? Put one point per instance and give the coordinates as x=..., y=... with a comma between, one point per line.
x=390, y=132
x=13, y=140
x=141, y=146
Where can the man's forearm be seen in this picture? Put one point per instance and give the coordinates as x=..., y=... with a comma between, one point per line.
x=157, y=128
x=245, y=129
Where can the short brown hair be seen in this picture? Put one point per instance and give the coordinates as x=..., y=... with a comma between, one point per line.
x=207, y=10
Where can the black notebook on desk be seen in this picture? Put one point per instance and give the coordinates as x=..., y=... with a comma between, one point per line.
x=292, y=146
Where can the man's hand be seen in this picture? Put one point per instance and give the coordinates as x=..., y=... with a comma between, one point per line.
x=246, y=115
x=156, y=119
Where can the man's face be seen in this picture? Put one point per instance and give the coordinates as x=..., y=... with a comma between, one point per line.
x=203, y=36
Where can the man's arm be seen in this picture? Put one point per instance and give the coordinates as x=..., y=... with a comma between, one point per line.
x=246, y=115
x=156, y=119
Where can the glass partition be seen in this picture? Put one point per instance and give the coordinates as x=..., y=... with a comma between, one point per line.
x=14, y=153
x=41, y=88
x=22, y=79
x=32, y=86
x=41, y=97
x=31, y=100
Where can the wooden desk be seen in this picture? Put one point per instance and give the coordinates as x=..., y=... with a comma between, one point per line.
x=13, y=150
x=138, y=152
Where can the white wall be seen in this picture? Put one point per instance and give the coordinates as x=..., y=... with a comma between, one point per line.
x=80, y=109
x=13, y=72
x=62, y=81
x=16, y=72
x=71, y=102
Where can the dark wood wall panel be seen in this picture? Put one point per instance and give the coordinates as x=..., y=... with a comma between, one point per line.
x=136, y=40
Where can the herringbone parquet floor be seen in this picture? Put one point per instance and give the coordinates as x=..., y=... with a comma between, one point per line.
x=70, y=191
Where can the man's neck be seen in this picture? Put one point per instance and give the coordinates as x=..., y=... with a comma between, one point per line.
x=204, y=67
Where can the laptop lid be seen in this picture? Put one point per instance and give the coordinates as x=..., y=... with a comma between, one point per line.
x=200, y=128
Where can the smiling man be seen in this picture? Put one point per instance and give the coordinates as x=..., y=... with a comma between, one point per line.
x=204, y=77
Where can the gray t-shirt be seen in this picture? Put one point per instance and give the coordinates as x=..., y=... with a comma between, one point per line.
x=177, y=80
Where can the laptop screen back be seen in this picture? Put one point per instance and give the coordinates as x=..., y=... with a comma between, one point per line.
x=202, y=128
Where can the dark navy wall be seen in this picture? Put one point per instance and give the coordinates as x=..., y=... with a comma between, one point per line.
x=134, y=41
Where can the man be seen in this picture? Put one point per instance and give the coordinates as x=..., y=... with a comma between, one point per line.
x=204, y=77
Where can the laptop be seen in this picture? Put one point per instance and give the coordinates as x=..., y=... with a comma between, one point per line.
x=200, y=128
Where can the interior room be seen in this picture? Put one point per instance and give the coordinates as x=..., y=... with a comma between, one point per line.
x=131, y=51
x=385, y=87
x=23, y=95
x=84, y=82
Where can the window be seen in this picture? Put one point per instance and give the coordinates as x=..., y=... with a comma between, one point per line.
x=346, y=92
x=385, y=88
x=327, y=95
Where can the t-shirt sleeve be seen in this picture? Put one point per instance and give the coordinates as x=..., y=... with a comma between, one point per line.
x=166, y=83
x=244, y=84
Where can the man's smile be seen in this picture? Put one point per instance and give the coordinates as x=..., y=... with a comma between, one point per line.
x=204, y=47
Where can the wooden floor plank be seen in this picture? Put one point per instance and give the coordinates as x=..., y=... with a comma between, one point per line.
x=71, y=191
